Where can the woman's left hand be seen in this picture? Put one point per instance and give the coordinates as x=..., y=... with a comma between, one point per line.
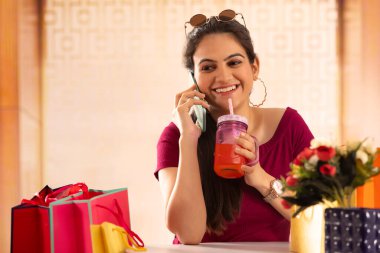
x=254, y=174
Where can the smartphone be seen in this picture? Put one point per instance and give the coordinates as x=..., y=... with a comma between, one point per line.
x=198, y=112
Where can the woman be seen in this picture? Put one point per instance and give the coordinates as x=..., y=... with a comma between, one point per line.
x=199, y=205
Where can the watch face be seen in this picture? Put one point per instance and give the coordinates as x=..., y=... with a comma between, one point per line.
x=278, y=187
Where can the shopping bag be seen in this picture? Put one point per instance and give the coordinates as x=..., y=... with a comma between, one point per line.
x=30, y=224
x=109, y=237
x=72, y=217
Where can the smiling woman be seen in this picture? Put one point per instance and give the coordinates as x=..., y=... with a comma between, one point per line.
x=201, y=206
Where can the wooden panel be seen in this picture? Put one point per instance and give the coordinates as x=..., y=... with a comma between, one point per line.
x=29, y=83
x=20, y=120
x=361, y=76
x=361, y=80
x=8, y=53
x=9, y=131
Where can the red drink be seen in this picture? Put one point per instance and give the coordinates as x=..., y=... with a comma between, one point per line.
x=227, y=163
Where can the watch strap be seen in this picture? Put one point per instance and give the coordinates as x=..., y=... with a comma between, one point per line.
x=272, y=192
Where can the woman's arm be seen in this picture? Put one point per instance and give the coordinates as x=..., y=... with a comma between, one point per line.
x=185, y=210
x=263, y=186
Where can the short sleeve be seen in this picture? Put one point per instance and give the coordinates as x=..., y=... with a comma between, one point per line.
x=167, y=148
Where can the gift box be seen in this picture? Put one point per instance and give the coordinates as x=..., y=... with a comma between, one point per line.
x=352, y=230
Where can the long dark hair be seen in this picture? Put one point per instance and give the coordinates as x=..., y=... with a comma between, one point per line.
x=222, y=196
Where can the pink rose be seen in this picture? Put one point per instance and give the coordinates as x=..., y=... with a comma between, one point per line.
x=291, y=180
x=328, y=170
x=286, y=204
x=325, y=153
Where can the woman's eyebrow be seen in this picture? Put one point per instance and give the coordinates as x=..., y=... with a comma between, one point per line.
x=225, y=59
x=233, y=55
x=205, y=59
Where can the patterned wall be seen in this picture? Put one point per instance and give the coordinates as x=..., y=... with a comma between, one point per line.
x=295, y=41
x=113, y=67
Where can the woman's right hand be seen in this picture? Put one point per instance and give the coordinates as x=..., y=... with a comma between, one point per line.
x=182, y=118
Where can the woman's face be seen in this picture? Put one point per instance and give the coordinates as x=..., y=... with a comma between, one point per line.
x=222, y=70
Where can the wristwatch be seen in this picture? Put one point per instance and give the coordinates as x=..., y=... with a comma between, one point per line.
x=275, y=190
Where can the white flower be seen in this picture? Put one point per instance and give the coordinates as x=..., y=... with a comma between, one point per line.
x=315, y=143
x=361, y=155
x=313, y=160
x=311, y=164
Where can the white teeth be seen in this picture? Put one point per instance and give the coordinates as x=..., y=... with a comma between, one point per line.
x=226, y=89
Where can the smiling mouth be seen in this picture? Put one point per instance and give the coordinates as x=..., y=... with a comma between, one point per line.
x=226, y=89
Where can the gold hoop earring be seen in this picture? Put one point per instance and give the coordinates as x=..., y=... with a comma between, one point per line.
x=265, y=95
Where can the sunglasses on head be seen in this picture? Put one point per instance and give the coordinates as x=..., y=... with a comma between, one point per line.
x=225, y=16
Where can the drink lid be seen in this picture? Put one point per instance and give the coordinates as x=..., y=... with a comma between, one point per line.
x=232, y=117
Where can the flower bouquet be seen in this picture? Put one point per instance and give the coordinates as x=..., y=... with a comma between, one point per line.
x=323, y=172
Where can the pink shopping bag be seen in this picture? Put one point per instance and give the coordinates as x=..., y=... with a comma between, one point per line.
x=71, y=218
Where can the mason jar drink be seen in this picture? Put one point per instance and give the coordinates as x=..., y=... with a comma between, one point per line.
x=227, y=163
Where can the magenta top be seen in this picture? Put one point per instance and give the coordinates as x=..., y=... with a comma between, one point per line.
x=258, y=220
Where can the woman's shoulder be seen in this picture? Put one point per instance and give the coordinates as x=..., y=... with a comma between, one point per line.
x=171, y=130
x=271, y=117
x=170, y=134
x=272, y=112
x=280, y=121
x=279, y=114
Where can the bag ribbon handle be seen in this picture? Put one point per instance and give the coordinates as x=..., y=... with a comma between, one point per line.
x=133, y=238
x=128, y=239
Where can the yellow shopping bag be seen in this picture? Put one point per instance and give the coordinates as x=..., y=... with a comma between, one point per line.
x=110, y=238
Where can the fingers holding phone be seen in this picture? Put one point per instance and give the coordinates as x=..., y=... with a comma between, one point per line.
x=188, y=93
x=190, y=110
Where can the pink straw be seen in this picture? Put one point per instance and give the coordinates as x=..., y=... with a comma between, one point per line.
x=230, y=106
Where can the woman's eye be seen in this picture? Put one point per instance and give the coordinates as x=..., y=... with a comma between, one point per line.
x=207, y=68
x=234, y=63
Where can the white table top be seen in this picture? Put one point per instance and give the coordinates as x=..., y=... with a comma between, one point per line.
x=252, y=247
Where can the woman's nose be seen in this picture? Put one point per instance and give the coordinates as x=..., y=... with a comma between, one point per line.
x=223, y=75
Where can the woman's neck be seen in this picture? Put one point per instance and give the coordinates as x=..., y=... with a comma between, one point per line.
x=254, y=120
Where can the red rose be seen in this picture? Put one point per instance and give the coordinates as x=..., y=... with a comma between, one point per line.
x=297, y=161
x=286, y=204
x=325, y=153
x=328, y=170
x=291, y=181
x=303, y=156
x=307, y=153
